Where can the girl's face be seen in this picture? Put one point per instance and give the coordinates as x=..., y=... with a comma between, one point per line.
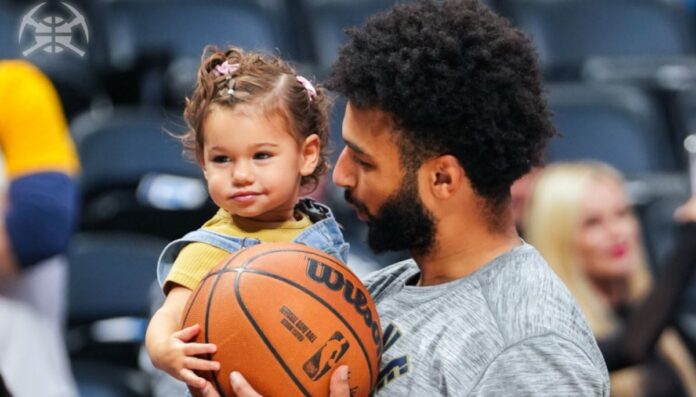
x=253, y=163
x=607, y=237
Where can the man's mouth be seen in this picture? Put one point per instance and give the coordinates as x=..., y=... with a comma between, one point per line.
x=360, y=209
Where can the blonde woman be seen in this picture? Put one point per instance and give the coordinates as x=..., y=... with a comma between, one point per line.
x=580, y=219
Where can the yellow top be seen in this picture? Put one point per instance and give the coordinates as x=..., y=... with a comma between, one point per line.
x=196, y=259
x=34, y=135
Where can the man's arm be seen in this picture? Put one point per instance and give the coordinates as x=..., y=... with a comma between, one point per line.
x=546, y=365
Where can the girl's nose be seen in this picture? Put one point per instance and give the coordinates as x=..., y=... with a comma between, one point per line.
x=242, y=174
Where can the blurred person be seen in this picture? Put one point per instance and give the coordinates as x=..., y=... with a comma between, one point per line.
x=580, y=219
x=519, y=194
x=39, y=204
x=259, y=131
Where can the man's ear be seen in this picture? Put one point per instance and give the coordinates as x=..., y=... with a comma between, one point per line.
x=310, y=154
x=445, y=176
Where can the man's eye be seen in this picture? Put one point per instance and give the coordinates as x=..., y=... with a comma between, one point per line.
x=262, y=156
x=220, y=159
x=361, y=163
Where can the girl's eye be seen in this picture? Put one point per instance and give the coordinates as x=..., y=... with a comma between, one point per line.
x=220, y=159
x=262, y=156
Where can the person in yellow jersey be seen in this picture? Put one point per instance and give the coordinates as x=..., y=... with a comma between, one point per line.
x=39, y=206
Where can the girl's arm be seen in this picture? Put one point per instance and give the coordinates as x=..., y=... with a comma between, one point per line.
x=169, y=346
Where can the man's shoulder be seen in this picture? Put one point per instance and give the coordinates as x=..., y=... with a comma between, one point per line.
x=527, y=300
x=544, y=365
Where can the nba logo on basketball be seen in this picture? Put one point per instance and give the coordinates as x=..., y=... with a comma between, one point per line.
x=326, y=357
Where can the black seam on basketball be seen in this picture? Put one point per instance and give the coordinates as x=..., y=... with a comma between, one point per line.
x=320, y=300
x=263, y=336
x=272, y=251
x=207, y=317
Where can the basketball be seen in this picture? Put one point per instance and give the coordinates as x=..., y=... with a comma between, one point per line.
x=286, y=316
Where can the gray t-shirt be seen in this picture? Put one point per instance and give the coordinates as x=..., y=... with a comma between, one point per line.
x=509, y=329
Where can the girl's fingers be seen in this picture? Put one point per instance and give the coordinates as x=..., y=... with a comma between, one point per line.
x=201, y=364
x=187, y=333
x=193, y=349
x=191, y=378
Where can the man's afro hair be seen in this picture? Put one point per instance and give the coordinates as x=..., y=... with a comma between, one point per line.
x=458, y=79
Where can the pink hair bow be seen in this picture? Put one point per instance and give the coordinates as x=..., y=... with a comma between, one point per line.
x=226, y=69
x=311, y=91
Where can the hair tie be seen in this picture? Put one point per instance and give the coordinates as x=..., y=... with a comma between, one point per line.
x=311, y=91
x=226, y=69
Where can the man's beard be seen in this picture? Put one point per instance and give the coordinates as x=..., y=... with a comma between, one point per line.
x=402, y=223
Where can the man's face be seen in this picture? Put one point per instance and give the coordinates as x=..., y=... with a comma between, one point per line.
x=384, y=195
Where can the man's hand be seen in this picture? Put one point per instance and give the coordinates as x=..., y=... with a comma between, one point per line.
x=339, y=385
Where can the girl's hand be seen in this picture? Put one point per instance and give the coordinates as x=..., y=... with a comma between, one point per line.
x=177, y=357
x=339, y=385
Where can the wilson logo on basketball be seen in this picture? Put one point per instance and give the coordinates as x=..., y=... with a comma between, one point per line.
x=326, y=275
x=326, y=357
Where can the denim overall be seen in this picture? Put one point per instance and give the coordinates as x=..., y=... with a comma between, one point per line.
x=324, y=234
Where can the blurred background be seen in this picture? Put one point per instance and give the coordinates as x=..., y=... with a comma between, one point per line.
x=620, y=77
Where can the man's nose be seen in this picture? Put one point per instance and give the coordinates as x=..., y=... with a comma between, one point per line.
x=343, y=175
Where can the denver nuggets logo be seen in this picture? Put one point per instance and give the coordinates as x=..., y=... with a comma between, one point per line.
x=326, y=357
x=53, y=33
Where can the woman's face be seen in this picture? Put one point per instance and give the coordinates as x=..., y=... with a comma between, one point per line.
x=607, y=238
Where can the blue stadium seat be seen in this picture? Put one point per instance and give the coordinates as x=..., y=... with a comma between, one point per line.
x=569, y=32
x=134, y=175
x=685, y=109
x=329, y=19
x=110, y=275
x=184, y=27
x=619, y=125
x=162, y=41
x=9, y=27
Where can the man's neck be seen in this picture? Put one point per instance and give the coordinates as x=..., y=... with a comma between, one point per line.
x=462, y=247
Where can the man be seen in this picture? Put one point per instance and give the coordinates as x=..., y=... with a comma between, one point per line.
x=445, y=111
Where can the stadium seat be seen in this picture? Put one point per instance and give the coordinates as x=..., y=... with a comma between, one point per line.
x=154, y=36
x=570, y=32
x=9, y=25
x=110, y=275
x=329, y=19
x=619, y=125
x=685, y=109
x=135, y=177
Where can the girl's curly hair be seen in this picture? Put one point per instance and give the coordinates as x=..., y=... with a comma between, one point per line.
x=266, y=82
